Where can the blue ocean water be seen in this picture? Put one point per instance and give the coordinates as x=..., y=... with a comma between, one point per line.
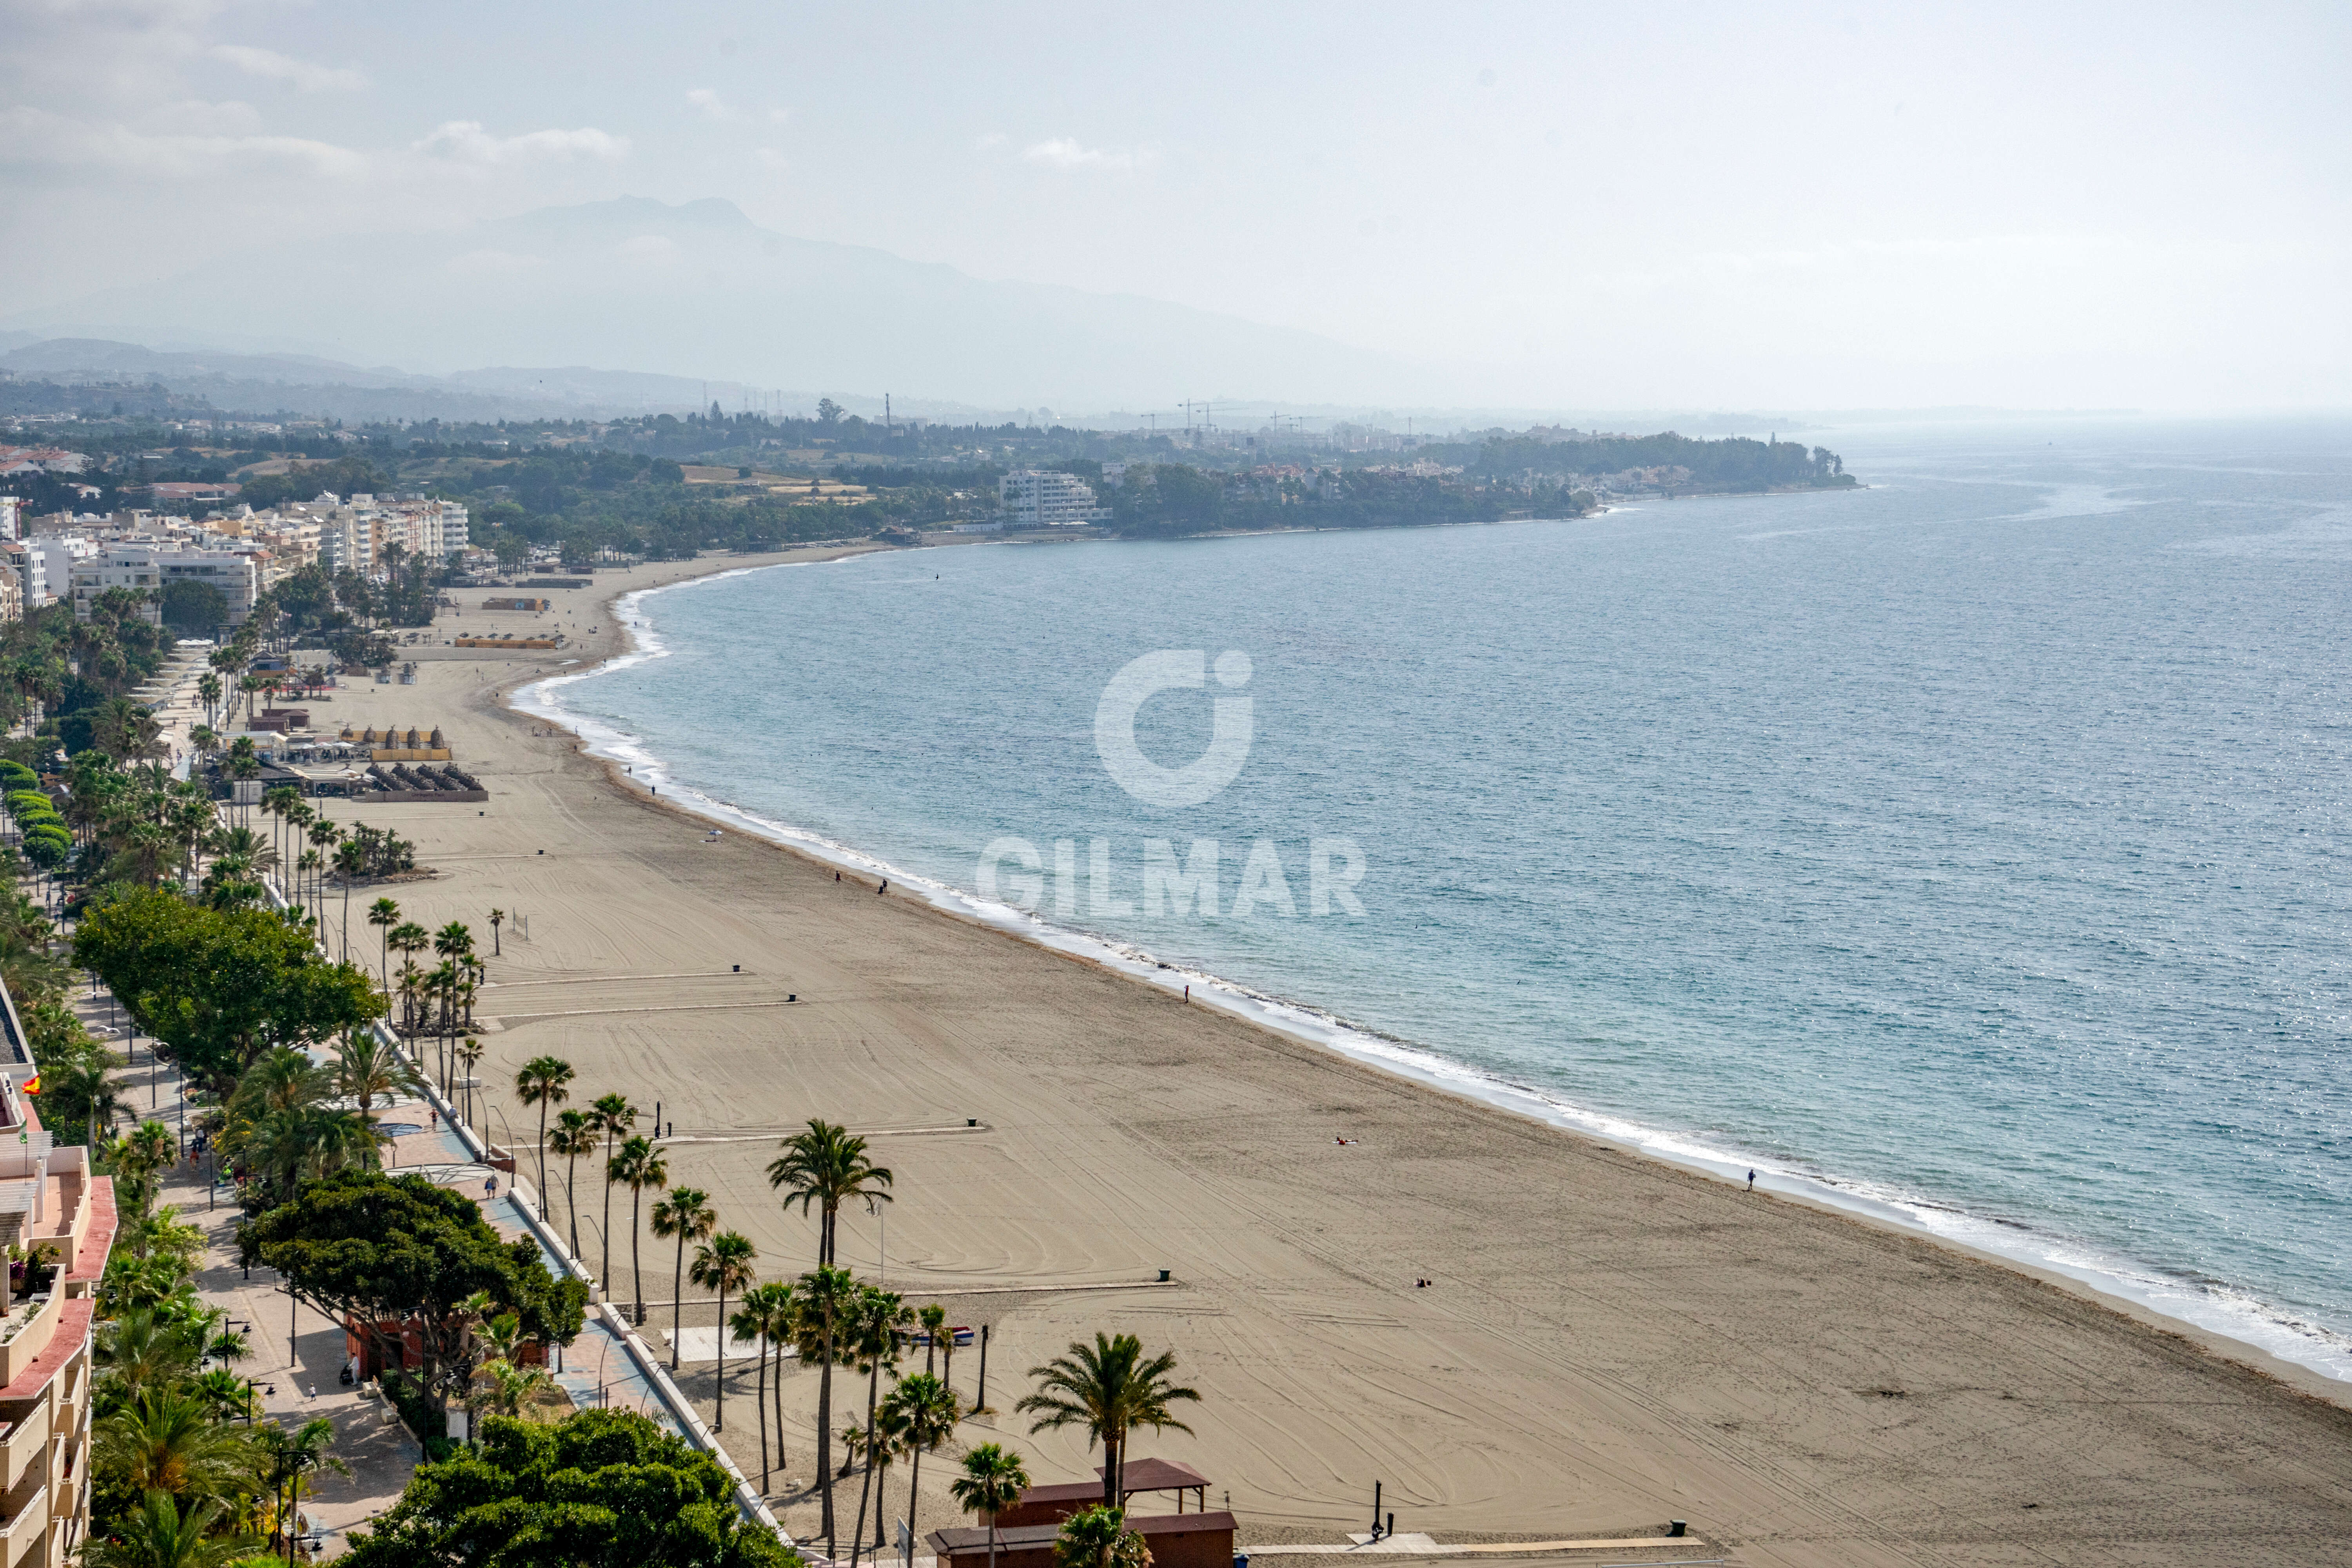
x=1972, y=847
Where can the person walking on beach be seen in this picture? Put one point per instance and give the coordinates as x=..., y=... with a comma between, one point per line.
x=1751, y=1181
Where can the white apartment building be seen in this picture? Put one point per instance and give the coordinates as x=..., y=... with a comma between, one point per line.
x=10, y=506
x=151, y=567
x=1047, y=497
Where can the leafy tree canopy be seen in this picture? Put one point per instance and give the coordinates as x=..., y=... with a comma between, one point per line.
x=219, y=987
x=605, y=1488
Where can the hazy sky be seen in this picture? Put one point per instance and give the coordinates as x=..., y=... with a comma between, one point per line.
x=2034, y=206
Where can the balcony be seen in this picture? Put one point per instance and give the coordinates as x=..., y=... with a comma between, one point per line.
x=26, y=1334
x=25, y=1447
x=25, y=1522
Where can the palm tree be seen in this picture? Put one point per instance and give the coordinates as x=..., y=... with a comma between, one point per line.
x=350, y=863
x=828, y=1299
x=543, y=1081
x=87, y=1084
x=760, y=1320
x=575, y=1134
x=934, y=1320
x=146, y=1353
x=929, y=1413
x=687, y=1215
x=497, y=918
x=470, y=1057
x=637, y=1167
x=726, y=1262
x=823, y=1167
x=885, y=1439
x=993, y=1479
x=291, y=1457
x=1097, y=1537
x=384, y=914
x=872, y=1345
x=366, y=1067
x=167, y=1441
x=160, y=1534
x=615, y=1115
x=1109, y=1389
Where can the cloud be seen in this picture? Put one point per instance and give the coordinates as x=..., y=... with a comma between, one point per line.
x=36, y=138
x=302, y=75
x=707, y=102
x=1066, y=152
x=466, y=141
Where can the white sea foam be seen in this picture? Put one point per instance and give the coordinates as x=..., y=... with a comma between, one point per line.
x=2209, y=1306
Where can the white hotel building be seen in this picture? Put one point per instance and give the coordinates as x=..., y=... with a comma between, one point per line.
x=1047, y=497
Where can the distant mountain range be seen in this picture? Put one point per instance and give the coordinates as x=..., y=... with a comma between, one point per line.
x=699, y=287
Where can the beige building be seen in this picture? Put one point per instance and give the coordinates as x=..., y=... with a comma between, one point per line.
x=54, y=1205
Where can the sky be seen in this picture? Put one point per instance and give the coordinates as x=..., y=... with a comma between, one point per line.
x=1697, y=205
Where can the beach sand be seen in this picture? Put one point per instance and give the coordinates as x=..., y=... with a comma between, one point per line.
x=1609, y=1342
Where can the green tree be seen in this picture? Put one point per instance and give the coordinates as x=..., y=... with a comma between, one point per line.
x=1097, y=1537
x=1110, y=1389
x=219, y=987
x=686, y=1216
x=384, y=1251
x=823, y=1168
x=615, y=1116
x=575, y=1134
x=726, y=1263
x=926, y=1410
x=992, y=1480
x=762, y=1320
x=164, y=1535
x=875, y=1324
x=544, y=1081
x=605, y=1489
x=828, y=1308
x=637, y=1165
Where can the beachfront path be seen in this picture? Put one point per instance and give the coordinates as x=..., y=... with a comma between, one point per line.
x=1608, y=1342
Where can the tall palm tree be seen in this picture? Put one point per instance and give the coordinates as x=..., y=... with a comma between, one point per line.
x=934, y=1320
x=821, y=1168
x=1097, y=1537
x=993, y=1479
x=687, y=1215
x=637, y=1167
x=366, y=1067
x=615, y=1115
x=576, y=1132
x=290, y=1457
x=1109, y=1389
x=470, y=1057
x=828, y=1300
x=761, y=1320
x=384, y=914
x=928, y=1411
x=543, y=1081
x=873, y=1347
x=350, y=863
x=727, y=1262
x=497, y=918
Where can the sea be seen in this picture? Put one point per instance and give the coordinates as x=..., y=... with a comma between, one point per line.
x=1970, y=849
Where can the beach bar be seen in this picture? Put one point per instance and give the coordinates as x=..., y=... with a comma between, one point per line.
x=1051, y=1505
x=1176, y=1540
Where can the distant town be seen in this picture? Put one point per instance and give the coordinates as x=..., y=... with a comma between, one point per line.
x=207, y=509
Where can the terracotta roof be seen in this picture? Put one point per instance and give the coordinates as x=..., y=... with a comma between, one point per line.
x=965, y=1538
x=65, y=1343
x=89, y=1259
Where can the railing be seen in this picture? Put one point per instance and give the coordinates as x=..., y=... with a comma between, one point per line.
x=26, y=1444
x=30, y=1337
x=26, y=1527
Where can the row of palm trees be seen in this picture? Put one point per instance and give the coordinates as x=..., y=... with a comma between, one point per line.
x=828, y=1317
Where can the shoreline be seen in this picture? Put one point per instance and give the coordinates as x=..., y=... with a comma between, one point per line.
x=1519, y=1331
x=2129, y=1286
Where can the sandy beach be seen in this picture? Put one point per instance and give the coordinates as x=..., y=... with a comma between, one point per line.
x=1609, y=1343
